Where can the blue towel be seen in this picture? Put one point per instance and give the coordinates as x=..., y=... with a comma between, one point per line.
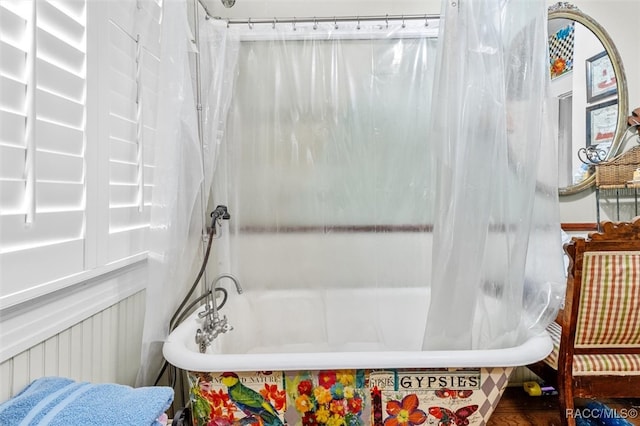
x=64, y=402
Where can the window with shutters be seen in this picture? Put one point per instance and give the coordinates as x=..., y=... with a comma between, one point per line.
x=132, y=65
x=77, y=124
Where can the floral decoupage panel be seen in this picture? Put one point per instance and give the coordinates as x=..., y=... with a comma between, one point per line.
x=332, y=398
x=243, y=398
x=443, y=398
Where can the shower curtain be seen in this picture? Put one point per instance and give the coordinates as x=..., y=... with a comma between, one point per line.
x=326, y=168
x=365, y=158
x=355, y=159
x=184, y=165
x=497, y=209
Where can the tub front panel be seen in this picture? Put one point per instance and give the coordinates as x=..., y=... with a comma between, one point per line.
x=442, y=397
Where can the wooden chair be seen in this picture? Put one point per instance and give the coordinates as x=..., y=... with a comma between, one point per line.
x=597, y=334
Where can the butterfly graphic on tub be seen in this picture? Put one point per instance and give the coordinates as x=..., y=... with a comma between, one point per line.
x=447, y=417
x=453, y=394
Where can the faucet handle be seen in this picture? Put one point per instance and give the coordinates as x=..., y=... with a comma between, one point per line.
x=204, y=313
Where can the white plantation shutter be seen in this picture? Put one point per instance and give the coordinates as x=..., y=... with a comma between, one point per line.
x=133, y=68
x=42, y=140
x=77, y=130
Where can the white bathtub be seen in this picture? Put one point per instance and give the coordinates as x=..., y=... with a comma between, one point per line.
x=275, y=342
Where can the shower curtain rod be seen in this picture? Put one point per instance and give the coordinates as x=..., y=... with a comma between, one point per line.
x=335, y=19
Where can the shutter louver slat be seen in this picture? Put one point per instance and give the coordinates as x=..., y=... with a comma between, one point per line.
x=12, y=24
x=123, y=195
x=122, y=128
x=50, y=227
x=13, y=98
x=59, y=81
x=123, y=173
x=12, y=162
x=60, y=138
x=123, y=151
x=51, y=196
x=56, y=167
x=14, y=61
x=61, y=54
x=54, y=108
x=12, y=129
x=55, y=21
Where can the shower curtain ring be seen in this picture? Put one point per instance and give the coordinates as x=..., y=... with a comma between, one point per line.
x=275, y=21
x=358, y=26
x=426, y=21
x=294, y=23
x=403, y=24
x=386, y=19
x=315, y=23
x=250, y=24
x=228, y=23
x=335, y=22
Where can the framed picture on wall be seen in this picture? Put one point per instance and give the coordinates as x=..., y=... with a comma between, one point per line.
x=601, y=122
x=561, y=46
x=601, y=80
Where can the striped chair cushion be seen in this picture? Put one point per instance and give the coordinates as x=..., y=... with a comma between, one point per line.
x=613, y=364
x=610, y=301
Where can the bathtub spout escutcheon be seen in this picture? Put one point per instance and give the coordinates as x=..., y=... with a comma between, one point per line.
x=214, y=325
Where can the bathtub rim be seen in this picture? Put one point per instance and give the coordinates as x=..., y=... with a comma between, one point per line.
x=176, y=352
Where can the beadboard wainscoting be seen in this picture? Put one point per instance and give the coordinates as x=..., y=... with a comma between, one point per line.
x=102, y=348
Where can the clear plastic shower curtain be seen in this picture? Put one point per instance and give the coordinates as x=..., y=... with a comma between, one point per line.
x=361, y=161
x=497, y=273
x=176, y=219
x=354, y=160
x=325, y=166
x=184, y=166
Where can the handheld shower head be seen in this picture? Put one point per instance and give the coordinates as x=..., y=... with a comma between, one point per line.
x=228, y=3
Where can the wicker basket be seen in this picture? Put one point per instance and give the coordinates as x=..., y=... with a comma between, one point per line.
x=620, y=170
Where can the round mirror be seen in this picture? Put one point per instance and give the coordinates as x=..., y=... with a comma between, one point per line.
x=589, y=87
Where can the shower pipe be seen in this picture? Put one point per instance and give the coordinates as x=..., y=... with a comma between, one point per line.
x=198, y=99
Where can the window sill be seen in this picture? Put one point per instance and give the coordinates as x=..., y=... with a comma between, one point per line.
x=13, y=301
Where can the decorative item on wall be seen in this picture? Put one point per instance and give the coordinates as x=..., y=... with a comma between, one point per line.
x=601, y=79
x=561, y=50
x=601, y=124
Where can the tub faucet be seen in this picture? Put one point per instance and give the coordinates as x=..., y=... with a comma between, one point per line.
x=213, y=324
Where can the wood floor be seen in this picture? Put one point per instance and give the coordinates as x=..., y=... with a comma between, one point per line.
x=517, y=408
